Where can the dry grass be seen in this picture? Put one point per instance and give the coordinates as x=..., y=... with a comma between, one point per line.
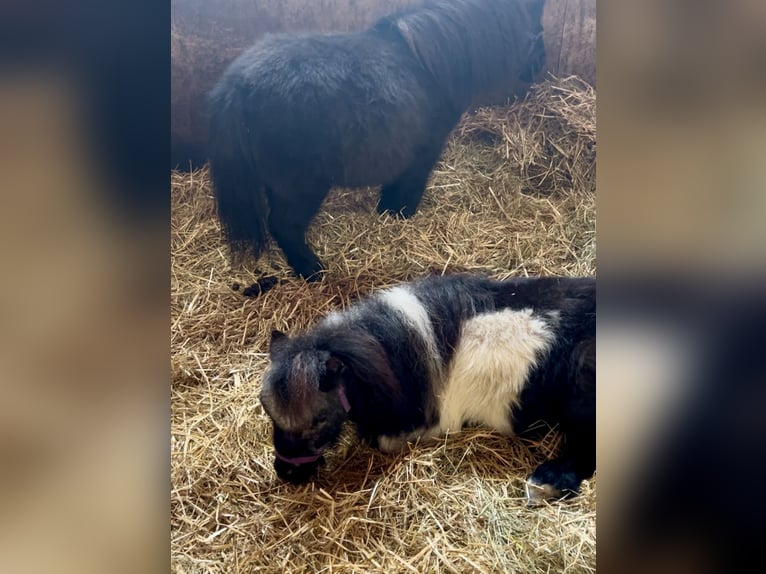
x=513, y=195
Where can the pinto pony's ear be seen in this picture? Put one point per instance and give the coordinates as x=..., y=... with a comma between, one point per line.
x=278, y=338
x=334, y=367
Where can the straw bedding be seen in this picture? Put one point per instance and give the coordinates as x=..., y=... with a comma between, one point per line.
x=513, y=195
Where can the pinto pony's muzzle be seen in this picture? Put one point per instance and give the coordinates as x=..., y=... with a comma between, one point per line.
x=298, y=460
x=300, y=468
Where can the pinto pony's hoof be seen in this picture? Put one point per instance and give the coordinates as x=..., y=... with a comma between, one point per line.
x=540, y=493
x=551, y=482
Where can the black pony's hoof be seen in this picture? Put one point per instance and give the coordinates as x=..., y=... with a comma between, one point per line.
x=401, y=212
x=551, y=481
x=314, y=277
x=314, y=271
x=305, y=264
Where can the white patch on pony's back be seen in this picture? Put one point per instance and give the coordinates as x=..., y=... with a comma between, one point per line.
x=495, y=354
x=409, y=307
x=334, y=318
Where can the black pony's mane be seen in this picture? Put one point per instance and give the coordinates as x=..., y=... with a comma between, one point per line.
x=469, y=46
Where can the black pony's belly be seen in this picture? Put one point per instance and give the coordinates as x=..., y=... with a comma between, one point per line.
x=364, y=169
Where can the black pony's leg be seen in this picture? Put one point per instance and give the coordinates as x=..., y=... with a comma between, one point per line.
x=402, y=196
x=289, y=220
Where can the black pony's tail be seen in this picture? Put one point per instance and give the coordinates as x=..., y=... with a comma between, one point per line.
x=240, y=196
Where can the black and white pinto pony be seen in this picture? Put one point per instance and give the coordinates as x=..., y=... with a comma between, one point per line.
x=425, y=358
x=295, y=115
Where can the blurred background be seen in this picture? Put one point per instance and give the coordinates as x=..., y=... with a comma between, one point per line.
x=84, y=115
x=85, y=118
x=681, y=201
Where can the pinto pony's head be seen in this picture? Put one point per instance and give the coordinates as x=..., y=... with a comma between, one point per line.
x=304, y=395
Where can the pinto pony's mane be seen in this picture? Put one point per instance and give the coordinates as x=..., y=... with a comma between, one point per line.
x=365, y=356
x=469, y=46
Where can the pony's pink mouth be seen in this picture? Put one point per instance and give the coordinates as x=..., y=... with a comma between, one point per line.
x=344, y=399
x=298, y=460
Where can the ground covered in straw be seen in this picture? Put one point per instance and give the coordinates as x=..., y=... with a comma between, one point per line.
x=513, y=195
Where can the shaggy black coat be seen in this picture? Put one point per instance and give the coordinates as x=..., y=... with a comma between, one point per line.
x=296, y=115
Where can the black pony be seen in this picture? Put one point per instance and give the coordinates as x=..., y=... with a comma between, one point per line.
x=297, y=114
